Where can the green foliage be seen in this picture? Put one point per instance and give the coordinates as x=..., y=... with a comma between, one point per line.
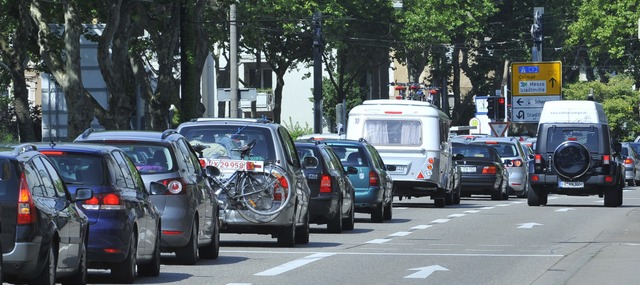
x=354, y=97
x=619, y=100
x=296, y=130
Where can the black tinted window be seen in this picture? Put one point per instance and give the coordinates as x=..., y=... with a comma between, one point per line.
x=588, y=136
x=9, y=180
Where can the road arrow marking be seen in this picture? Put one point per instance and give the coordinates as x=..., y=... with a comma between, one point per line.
x=565, y=210
x=424, y=272
x=421, y=227
x=528, y=225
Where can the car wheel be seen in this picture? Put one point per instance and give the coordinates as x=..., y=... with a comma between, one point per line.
x=80, y=277
x=48, y=274
x=302, y=234
x=448, y=198
x=377, y=213
x=439, y=202
x=612, y=197
x=287, y=235
x=152, y=268
x=456, y=198
x=335, y=224
x=536, y=197
x=212, y=250
x=125, y=271
x=348, y=223
x=388, y=211
x=188, y=255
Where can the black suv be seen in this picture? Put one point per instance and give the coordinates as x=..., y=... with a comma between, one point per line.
x=573, y=155
x=44, y=233
x=332, y=194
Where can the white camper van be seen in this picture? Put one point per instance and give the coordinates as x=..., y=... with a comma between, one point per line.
x=412, y=137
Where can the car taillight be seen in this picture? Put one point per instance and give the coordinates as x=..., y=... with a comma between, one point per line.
x=26, y=209
x=489, y=170
x=628, y=161
x=282, y=188
x=325, y=184
x=606, y=159
x=537, y=158
x=203, y=163
x=174, y=186
x=373, y=178
x=110, y=201
x=515, y=163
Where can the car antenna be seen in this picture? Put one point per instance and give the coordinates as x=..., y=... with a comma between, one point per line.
x=52, y=143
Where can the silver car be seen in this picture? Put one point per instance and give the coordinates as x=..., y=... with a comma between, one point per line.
x=189, y=208
x=631, y=160
x=515, y=159
x=222, y=139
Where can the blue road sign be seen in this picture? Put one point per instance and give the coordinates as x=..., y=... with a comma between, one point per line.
x=529, y=69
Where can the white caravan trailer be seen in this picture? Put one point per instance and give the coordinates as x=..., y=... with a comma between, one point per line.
x=412, y=137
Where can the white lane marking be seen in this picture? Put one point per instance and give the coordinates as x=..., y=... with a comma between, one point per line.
x=517, y=202
x=471, y=211
x=379, y=240
x=424, y=272
x=440, y=221
x=293, y=264
x=529, y=225
x=401, y=254
x=503, y=205
x=400, y=234
x=565, y=209
x=456, y=215
x=421, y=227
x=238, y=284
x=487, y=208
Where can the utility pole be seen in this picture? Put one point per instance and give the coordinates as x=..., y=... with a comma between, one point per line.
x=233, y=64
x=317, y=72
x=536, y=34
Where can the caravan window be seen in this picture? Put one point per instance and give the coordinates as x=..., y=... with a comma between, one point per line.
x=393, y=132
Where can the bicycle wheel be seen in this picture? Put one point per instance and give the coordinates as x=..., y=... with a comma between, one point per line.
x=264, y=194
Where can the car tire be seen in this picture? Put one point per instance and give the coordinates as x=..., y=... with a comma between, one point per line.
x=335, y=223
x=439, y=202
x=125, y=272
x=536, y=197
x=188, y=255
x=349, y=222
x=152, y=268
x=388, y=210
x=212, y=250
x=448, y=198
x=613, y=197
x=287, y=235
x=302, y=233
x=377, y=213
x=80, y=277
x=48, y=274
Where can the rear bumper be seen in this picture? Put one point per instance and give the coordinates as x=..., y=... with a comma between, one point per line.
x=324, y=207
x=23, y=261
x=593, y=185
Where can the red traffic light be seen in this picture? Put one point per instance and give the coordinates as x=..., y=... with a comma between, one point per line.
x=500, y=100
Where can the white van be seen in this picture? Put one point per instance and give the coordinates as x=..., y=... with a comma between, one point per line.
x=412, y=137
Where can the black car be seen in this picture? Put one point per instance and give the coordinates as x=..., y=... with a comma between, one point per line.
x=123, y=223
x=189, y=208
x=482, y=170
x=44, y=233
x=332, y=194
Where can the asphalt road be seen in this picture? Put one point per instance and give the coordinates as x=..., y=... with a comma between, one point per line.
x=573, y=240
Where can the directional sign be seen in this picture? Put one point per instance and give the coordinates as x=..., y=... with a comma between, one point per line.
x=536, y=78
x=526, y=109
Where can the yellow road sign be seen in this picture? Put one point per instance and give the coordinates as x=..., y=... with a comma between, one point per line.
x=536, y=78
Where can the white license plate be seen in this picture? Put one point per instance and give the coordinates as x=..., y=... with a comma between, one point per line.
x=467, y=169
x=400, y=168
x=228, y=164
x=570, y=184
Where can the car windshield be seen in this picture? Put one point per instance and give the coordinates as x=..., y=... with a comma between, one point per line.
x=588, y=137
x=149, y=158
x=350, y=155
x=224, y=142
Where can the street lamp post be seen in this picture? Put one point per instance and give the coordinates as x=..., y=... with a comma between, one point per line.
x=233, y=67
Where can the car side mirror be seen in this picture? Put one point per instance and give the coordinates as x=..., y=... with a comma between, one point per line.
x=157, y=188
x=83, y=194
x=352, y=170
x=310, y=162
x=390, y=167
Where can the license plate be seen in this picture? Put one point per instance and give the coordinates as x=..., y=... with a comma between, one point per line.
x=228, y=164
x=467, y=169
x=570, y=184
x=400, y=168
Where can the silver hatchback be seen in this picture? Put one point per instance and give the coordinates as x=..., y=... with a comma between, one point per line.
x=221, y=140
x=189, y=208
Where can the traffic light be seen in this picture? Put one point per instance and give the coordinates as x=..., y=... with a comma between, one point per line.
x=491, y=107
x=500, y=109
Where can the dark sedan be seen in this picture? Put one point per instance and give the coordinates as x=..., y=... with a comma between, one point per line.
x=482, y=171
x=332, y=194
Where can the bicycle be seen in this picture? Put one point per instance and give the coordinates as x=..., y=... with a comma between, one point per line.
x=258, y=196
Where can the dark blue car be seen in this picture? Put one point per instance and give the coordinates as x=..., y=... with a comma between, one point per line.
x=124, y=226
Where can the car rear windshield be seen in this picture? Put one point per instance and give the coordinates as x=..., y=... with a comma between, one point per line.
x=351, y=155
x=224, y=141
x=9, y=180
x=149, y=158
x=473, y=152
x=589, y=137
x=79, y=168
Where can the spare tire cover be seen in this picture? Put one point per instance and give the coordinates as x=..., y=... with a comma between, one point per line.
x=571, y=159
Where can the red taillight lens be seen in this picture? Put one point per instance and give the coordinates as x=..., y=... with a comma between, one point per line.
x=535, y=178
x=283, y=182
x=537, y=158
x=109, y=201
x=373, y=178
x=26, y=210
x=282, y=188
x=515, y=163
x=325, y=184
x=628, y=161
x=175, y=186
x=606, y=159
x=608, y=179
x=203, y=163
x=489, y=170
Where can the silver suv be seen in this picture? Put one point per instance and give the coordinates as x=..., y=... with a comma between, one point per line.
x=221, y=141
